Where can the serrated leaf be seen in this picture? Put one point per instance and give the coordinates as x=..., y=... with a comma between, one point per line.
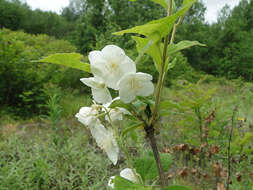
x=173, y=48
x=146, y=165
x=177, y=187
x=145, y=45
x=72, y=60
x=131, y=128
x=121, y=183
x=158, y=29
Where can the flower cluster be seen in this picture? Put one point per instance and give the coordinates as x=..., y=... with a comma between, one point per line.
x=111, y=68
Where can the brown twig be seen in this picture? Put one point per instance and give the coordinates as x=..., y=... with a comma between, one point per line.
x=150, y=131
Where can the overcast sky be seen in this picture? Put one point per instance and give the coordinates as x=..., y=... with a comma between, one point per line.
x=56, y=5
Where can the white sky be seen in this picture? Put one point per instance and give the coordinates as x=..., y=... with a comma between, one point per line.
x=213, y=6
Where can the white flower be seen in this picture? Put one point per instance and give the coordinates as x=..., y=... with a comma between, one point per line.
x=111, y=63
x=99, y=90
x=135, y=84
x=106, y=141
x=87, y=115
x=128, y=174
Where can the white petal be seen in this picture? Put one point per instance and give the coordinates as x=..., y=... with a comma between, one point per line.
x=128, y=66
x=128, y=174
x=93, y=82
x=113, y=53
x=127, y=95
x=121, y=68
x=112, y=79
x=110, y=182
x=101, y=95
x=133, y=84
x=113, y=152
x=126, y=92
x=97, y=63
x=143, y=76
x=146, y=89
x=87, y=116
x=106, y=141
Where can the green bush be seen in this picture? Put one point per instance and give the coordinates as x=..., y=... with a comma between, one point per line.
x=22, y=81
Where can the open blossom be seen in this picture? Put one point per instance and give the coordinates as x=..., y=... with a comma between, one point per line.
x=111, y=63
x=106, y=141
x=87, y=115
x=99, y=90
x=128, y=174
x=135, y=84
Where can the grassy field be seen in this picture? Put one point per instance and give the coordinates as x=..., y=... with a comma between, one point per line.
x=57, y=152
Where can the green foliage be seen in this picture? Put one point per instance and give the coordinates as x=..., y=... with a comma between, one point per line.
x=67, y=59
x=23, y=81
x=146, y=165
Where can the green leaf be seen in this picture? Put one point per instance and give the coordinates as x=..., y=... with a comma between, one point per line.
x=144, y=45
x=72, y=60
x=158, y=29
x=177, y=187
x=146, y=165
x=173, y=48
x=131, y=128
x=121, y=183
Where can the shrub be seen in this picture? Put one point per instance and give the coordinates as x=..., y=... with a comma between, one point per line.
x=22, y=82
